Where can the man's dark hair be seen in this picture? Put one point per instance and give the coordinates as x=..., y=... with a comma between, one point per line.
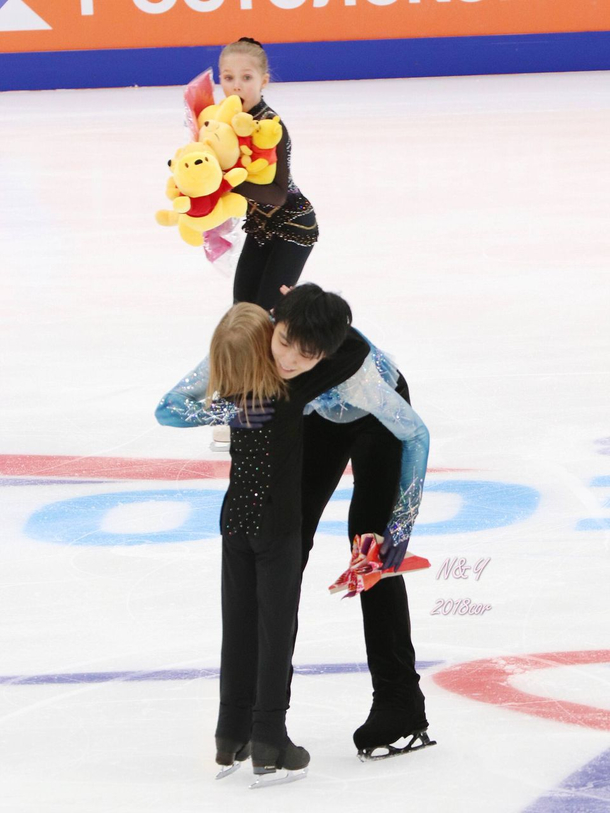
x=316, y=320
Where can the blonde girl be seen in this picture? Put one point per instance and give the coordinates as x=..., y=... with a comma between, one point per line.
x=260, y=384
x=281, y=223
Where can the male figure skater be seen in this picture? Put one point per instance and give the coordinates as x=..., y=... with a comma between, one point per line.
x=368, y=419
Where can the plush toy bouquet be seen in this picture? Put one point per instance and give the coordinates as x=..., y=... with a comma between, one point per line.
x=366, y=568
x=228, y=147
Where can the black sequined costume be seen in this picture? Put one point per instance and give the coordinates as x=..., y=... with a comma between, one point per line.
x=261, y=557
x=281, y=227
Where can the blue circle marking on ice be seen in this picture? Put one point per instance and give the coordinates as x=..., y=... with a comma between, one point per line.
x=484, y=504
x=79, y=521
x=597, y=523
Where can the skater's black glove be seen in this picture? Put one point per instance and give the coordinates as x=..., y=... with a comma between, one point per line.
x=256, y=416
x=390, y=554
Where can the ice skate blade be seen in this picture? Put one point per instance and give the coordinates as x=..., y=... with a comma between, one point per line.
x=266, y=780
x=227, y=770
x=369, y=755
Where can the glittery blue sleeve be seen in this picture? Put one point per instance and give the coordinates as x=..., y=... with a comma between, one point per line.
x=186, y=405
x=371, y=391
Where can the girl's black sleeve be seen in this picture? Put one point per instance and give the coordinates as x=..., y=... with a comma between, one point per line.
x=331, y=371
x=274, y=193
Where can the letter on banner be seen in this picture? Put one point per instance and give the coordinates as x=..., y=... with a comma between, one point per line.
x=289, y=4
x=204, y=5
x=154, y=6
x=382, y=2
x=322, y=3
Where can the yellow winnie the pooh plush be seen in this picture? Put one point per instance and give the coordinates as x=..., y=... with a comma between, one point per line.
x=202, y=197
x=239, y=140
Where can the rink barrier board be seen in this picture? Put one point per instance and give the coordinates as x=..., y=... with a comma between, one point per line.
x=315, y=61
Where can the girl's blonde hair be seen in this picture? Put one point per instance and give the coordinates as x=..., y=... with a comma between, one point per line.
x=241, y=364
x=251, y=48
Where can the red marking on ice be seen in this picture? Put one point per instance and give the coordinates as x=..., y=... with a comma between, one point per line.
x=122, y=468
x=488, y=681
x=113, y=468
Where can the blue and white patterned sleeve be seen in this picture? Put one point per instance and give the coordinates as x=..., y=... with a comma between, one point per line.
x=185, y=405
x=371, y=390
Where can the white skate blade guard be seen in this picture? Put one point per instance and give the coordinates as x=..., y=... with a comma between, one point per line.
x=281, y=777
x=219, y=446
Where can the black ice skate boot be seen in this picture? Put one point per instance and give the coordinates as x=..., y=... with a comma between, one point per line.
x=267, y=760
x=385, y=726
x=229, y=754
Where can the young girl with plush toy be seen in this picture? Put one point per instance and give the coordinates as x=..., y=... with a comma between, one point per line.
x=280, y=223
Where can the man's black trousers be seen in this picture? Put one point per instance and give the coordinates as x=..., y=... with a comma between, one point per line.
x=376, y=458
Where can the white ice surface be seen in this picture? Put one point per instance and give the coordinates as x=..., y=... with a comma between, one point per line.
x=467, y=222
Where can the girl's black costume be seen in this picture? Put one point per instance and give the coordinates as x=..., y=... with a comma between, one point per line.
x=261, y=545
x=281, y=227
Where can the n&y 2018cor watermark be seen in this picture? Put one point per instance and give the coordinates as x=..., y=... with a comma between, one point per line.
x=457, y=567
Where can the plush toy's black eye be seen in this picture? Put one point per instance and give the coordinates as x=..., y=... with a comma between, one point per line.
x=169, y=163
x=199, y=161
x=205, y=123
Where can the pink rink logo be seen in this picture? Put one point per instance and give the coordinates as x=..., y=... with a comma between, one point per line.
x=489, y=682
